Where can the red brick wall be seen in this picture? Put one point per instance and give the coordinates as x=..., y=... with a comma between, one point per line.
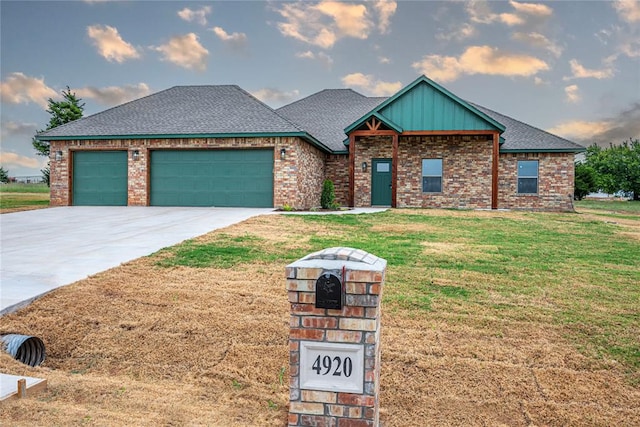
x=337, y=170
x=466, y=171
x=555, y=182
x=297, y=178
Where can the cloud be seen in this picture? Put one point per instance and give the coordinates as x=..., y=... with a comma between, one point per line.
x=185, y=51
x=384, y=60
x=457, y=32
x=110, y=45
x=370, y=85
x=628, y=10
x=321, y=57
x=275, y=95
x=580, y=72
x=199, y=16
x=572, y=93
x=323, y=24
x=538, y=40
x=21, y=89
x=616, y=129
x=385, y=10
x=13, y=159
x=479, y=60
x=235, y=40
x=533, y=9
x=479, y=12
x=11, y=128
x=114, y=95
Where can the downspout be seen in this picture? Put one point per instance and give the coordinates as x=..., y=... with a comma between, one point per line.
x=352, y=169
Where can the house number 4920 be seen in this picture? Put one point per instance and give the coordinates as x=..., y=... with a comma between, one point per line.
x=337, y=366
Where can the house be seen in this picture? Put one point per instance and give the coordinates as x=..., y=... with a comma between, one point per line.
x=220, y=146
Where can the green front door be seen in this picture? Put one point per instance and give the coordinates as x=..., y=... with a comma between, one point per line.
x=100, y=178
x=381, y=182
x=238, y=178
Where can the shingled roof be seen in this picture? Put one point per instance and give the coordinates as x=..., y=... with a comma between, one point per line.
x=325, y=114
x=521, y=137
x=228, y=110
x=181, y=111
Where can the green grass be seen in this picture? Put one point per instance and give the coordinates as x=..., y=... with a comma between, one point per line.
x=23, y=188
x=618, y=206
x=564, y=270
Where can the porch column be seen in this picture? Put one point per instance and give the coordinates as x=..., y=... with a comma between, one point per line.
x=394, y=171
x=352, y=169
x=494, y=170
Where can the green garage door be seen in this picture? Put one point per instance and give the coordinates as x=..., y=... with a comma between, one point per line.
x=100, y=178
x=212, y=178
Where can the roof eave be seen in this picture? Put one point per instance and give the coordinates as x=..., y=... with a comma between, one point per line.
x=543, y=150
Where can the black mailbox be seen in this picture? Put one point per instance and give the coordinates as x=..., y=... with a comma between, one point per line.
x=329, y=292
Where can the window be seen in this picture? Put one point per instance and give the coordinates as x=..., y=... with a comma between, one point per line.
x=527, y=176
x=431, y=175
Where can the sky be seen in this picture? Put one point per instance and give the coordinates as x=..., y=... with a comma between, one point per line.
x=568, y=67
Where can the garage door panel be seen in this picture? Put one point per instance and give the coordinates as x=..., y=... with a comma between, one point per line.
x=212, y=178
x=100, y=178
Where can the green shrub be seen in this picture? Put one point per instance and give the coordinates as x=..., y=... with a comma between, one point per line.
x=328, y=197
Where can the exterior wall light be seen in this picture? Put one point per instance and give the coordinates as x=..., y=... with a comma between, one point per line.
x=58, y=155
x=283, y=153
x=136, y=155
x=364, y=166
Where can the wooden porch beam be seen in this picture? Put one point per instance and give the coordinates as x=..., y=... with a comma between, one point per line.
x=394, y=171
x=494, y=170
x=352, y=169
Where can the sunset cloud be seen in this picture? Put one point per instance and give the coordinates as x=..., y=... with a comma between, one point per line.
x=323, y=24
x=538, y=40
x=321, y=57
x=480, y=12
x=580, y=72
x=479, y=60
x=277, y=96
x=235, y=40
x=8, y=159
x=199, y=16
x=369, y=84
x=628, y=10
x=114, y=95
x=385, y=10
x=21, y=89
x=11, y=128
x=580, y=129
x=185, y=51
x=572, y=93
x=110, y=45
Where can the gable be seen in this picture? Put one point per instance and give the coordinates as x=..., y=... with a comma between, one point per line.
x=426, y=106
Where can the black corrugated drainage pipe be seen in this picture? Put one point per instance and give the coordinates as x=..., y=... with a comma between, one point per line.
x=28, y=350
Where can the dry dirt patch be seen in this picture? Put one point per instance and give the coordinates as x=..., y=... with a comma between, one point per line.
x=147, y=345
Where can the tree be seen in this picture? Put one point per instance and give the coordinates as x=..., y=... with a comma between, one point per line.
x=585, y=181
x=4, y=175
x=65, y=111
x=328, y=195
x=617, y=168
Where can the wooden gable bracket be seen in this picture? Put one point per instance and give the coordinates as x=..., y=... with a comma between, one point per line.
x=373, y=124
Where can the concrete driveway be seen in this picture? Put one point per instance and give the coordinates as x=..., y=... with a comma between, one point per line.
x=48, y=248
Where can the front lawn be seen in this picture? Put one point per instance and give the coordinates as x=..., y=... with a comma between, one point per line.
x=18, y=197
x=489, y=318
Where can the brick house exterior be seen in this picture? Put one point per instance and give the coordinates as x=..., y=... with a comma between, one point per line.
x=429, y=149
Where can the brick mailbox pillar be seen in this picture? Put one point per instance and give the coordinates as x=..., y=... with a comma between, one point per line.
x=334, y=338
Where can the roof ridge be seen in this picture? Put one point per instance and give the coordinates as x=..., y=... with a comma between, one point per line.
x=319, y=92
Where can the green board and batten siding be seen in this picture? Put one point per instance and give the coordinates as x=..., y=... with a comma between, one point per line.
x=224, y=178
x=100, y=178
x=425, y=108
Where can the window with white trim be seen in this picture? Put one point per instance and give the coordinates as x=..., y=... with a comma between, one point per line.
x=527, y=176
x=431, y=175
